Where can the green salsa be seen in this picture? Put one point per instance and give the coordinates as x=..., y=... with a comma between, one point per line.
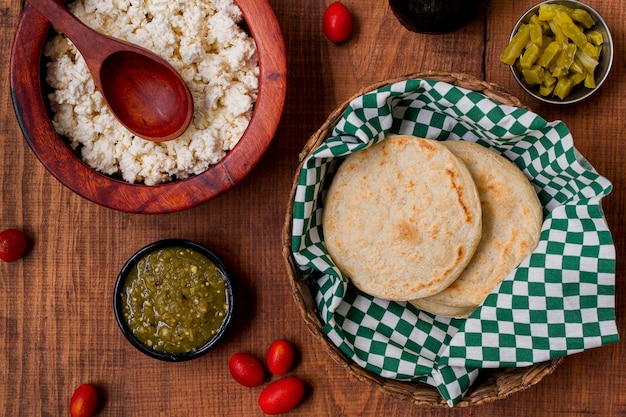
x=174, y=300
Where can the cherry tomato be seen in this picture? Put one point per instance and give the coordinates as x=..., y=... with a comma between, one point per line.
x=281, y=395
x=246, y=369
x=12, y=244
x=279, y=357
x=337, y=22
x=84, y=401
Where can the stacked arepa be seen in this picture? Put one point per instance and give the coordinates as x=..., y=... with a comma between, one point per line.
x=437, y=223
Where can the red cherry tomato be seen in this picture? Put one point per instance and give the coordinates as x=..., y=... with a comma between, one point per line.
x=246, y=369
x=337, y=22
x=279, y=357
x=84, y=401
x=12, y=244
x=281, y=395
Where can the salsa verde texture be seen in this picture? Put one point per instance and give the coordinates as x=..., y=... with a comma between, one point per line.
x=174, y=300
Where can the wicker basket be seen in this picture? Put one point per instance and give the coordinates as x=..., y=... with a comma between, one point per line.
x=491, y=384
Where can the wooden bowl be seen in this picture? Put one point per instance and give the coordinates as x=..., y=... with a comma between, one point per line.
x=27, y=77
x=492, y=384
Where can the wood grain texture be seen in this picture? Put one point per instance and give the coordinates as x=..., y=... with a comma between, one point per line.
x=57, y=328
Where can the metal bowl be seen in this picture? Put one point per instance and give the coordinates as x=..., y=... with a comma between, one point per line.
x=579, y=92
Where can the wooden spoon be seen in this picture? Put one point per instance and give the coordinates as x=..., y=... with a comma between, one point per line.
x=142, y=90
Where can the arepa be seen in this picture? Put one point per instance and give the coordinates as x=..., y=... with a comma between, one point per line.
x=512, y=220
x=402, y=218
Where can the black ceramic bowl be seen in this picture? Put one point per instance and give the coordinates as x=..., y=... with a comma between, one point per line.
x=118, y=301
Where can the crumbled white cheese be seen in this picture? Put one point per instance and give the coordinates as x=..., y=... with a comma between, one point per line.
x=201, y=39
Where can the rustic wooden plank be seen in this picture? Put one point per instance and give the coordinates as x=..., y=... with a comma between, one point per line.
x=56, y=318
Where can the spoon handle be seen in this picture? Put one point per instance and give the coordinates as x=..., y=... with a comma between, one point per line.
x=65, y=22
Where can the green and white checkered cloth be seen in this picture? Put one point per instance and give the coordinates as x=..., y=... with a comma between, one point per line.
x=559, y=301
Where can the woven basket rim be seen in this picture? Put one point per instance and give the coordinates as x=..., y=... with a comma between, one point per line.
x=492, y=385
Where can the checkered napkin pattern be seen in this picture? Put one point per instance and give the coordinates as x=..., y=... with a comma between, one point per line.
x=559, y=301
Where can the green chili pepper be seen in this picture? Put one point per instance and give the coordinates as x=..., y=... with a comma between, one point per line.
x=514, y=49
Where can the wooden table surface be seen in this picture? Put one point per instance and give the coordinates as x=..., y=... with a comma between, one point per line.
x=57, y=328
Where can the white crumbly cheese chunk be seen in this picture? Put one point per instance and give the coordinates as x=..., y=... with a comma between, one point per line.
x=201, y=39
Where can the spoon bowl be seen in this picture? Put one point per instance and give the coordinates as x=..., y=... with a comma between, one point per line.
x=142, y=90
x=145, y=94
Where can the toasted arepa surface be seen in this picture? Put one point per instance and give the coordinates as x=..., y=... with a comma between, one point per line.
x=402, y=219
x=511, y=219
